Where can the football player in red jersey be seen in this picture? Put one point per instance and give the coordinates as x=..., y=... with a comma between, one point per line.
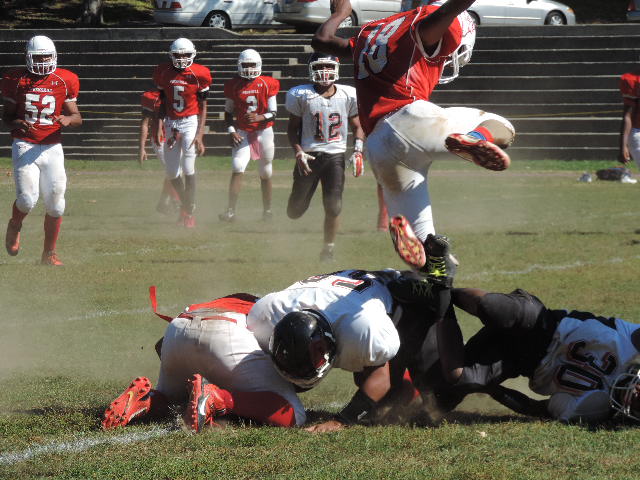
x=398, y=62
x=630, y=131
x=39, y=101
x=210, y=342
x=152, y=123
x=184, y=86
x=251, y=100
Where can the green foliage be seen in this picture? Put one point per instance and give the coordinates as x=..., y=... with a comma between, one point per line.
x=73, y=337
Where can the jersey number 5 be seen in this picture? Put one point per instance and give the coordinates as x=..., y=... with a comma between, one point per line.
x=178, y=99
x=374, y=53
x=33, y=114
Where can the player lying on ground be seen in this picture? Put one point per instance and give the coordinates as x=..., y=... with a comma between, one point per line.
x=588, y=365
x=210, y=360
x=398, y=61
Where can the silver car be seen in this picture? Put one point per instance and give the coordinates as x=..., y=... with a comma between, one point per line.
x=513, y=12
x=214, y=13
x=310, y=12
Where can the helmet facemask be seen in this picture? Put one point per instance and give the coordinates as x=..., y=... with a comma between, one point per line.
x=324, y=71
x=182, y=52
x=623, y=396
x=41, y=56
x=462, y=55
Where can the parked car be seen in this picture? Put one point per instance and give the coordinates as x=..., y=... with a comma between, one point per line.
x=314, y=12
x=214, y=13
x=514, y=12
x=633, y=11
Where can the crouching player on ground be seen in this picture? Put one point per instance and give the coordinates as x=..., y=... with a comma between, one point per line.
x=210, y=359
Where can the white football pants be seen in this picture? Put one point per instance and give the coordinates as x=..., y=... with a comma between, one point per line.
x=241, y=154
x=223, y=352
x=634, y=145
x=402, y=147
x=39, y=168
x=182, y=157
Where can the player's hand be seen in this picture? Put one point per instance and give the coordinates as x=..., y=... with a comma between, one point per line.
x=174, y=138
x=302, y=162
x=340, y=7
x=252, y=117
x=21, y=125
x=236, y=139
x=62, y=120
x=199, y=145
x=142, y=156
x=356, y=162
x=625, y=156
x=328, y=426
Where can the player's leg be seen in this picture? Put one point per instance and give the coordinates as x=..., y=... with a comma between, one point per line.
x=383, y=213
x=634, y=145
x=173, y=169
x=53, y=184
x=265, y=169
x=188, y=163
x=332, y=179
x=26, y=176
x=240, y=156
x=304, y=186
x=169, y=198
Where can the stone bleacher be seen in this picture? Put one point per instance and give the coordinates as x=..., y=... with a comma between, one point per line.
x=559, y=85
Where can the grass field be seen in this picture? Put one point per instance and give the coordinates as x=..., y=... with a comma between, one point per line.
x=73, y=337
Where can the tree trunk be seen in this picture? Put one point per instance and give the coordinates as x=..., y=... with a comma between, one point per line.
x=92, y=13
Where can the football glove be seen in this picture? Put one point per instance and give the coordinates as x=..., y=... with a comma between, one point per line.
x=356, y=162
x=302, y=162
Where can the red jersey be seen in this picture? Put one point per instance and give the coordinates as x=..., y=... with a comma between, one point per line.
x=390, y=67
x=251, y=96
x=150, y=102
x=181, y=87
x=630, y=88
x=39, y=99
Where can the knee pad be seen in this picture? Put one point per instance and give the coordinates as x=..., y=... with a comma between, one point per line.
x=55, y=206
x=502, y=130
x=265, y=171
x=25, y=202
x=333, y=206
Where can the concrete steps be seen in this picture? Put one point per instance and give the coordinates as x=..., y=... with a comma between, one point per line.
x=559, y=86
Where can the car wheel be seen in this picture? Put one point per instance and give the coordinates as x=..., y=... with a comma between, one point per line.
x=555, y=18
x=474, y=16
x=217, y=20
x=350, y=21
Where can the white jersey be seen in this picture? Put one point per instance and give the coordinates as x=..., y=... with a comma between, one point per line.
x=325, y=121
x=584, y=358
x=357, y=304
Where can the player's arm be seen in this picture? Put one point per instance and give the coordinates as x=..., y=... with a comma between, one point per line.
x=625, y=130
x=433, y=27
x=356, y=161
x=10, y=117
x=202, y=119
x=325, y=39
x=268, y=116
x=229, y=107
x=70, y=115
x=144, y=134
x=294, y=133
x=374, y=383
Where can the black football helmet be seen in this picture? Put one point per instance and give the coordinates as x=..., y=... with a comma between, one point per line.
x=324, y=69
x=303, y=347
x=623, y=396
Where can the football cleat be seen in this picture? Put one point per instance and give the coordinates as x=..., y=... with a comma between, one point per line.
x=12, y=239
x=229, y=216
x=189, y=221
x=134, y=402
x=326, y=255
x=51, y=258
x=408, y=246
x=267, y=215
x=205, y=404
x=481, y=152
x=440, y=267
x=411, y=290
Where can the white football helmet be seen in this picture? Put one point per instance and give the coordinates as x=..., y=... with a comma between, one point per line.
x=41, y=46
x=253, y=69
x=623, y=393
x=462, y=54
x=182, y=46
x=324, y=69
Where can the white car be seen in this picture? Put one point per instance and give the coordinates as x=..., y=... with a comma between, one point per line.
x=310, y=12
x=214, y=13
x=513, y=12
x=633, y=11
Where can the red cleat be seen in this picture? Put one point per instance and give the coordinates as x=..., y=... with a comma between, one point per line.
x=51, y=258
x=189, y=221
x=205, y=404
x=481, y=152
x=408, y=246
x=12, y=239
x=134, y=402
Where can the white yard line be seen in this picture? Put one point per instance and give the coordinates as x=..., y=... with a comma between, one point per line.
x=81, y=444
